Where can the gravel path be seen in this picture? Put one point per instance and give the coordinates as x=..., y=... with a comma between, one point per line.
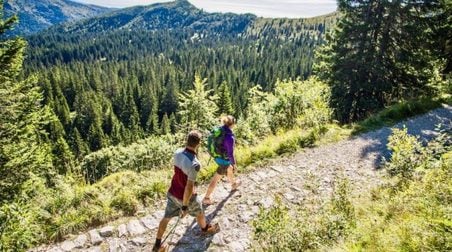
x=297, y=179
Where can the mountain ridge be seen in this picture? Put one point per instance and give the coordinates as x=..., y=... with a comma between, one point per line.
x=158, y=16
x=35, y=16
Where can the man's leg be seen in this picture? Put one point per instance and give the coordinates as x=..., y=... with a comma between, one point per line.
x=158, y=241
x=211, y=187
x=206, y=228
x=202, y=223
x=162, y=227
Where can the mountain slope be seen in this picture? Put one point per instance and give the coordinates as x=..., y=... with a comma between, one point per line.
x=162, y=16
x=137, y=60
x=36, y=15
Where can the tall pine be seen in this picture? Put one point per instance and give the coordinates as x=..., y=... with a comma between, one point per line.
x=224, y=101
x=24, y=149
x=379, y=54
x=197, y=107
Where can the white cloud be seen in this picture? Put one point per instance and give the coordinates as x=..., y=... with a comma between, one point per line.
x=266, y=8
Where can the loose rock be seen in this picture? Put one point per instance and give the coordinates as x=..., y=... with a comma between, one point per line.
x=67, y=245
x=135, y=228
x=95, y=237
x=139, y=241
x=122, y=230
x=80, y=241
x=149, y=222
x=106, y=231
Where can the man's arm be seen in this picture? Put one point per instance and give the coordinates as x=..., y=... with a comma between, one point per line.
x=188, y=192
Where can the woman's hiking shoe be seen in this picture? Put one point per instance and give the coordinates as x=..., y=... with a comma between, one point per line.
x=211, y=229
x=236, y=185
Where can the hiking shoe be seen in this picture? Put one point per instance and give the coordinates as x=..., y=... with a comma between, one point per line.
x=211, y=229
x=207, y=202
x=236, y=185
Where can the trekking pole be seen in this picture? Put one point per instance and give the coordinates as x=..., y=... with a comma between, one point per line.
x=171, y=232
x=173, y=229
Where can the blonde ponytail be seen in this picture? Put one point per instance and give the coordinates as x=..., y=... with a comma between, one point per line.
x=228, y=120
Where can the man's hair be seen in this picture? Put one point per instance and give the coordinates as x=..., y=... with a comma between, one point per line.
x=194, y=138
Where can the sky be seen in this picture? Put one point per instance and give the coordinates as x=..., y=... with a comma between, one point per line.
x=264, y=8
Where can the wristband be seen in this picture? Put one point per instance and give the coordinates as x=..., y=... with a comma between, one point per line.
x=184, y=208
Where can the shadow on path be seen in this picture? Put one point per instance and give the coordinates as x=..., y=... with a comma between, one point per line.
x=425, y=127
x=193, y=240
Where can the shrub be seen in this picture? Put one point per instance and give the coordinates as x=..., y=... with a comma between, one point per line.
x=406, y=155
x=126, y=202
x=151, y=153
x=18, y=230
x=289, y=146
x=279, y=229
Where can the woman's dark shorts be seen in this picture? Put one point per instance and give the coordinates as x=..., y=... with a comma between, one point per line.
x=223, y=166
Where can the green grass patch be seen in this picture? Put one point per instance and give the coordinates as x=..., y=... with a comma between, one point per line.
x=396, y=113
x=410, y=216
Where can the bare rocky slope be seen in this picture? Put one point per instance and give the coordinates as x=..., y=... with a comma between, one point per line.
x=37, y=15
x=297, y=179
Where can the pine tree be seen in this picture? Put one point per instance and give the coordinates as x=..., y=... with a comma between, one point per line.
x=173, y=122
x=197, y=107
x=378, y=54
x=24, y=149
x=166, y=127
x=78, y=145
x=224, y=101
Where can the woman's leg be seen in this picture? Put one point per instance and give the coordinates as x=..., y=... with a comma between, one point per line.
x=232, y=179
x=211, y=187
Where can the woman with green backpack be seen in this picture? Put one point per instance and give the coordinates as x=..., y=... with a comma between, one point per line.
x=222, y=149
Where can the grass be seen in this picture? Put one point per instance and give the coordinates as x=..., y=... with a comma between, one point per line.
x=409, y=216
x=396, y=113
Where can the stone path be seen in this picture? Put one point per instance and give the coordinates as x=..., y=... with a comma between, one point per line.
x=297, y=179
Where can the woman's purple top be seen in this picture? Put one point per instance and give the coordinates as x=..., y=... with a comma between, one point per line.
x=228, y=144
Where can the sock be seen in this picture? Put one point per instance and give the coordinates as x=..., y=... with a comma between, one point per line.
x=158, y=242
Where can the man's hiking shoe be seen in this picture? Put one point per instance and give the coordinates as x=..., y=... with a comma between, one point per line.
x=211, y=229
x=236, y=185
x=207, y=202
x=162, y=248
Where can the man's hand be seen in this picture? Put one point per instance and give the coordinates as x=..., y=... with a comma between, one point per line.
x=188, y=192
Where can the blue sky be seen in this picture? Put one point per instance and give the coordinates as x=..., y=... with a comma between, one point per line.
x=265, y=8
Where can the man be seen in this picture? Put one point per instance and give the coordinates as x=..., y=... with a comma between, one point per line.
x=181, y=199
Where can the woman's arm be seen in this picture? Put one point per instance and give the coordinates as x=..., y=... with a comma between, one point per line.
x=229, y=147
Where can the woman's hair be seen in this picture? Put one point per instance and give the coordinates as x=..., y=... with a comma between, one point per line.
x=228, y=120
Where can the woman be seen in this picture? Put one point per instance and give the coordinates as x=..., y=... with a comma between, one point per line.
x=226, y=163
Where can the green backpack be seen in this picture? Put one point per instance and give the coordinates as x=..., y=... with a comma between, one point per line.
x=215, y=142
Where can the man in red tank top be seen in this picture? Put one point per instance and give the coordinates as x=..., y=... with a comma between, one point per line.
x=181, y=197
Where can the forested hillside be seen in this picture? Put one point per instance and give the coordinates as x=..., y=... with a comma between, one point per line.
x=38, y=15
x=114, y=79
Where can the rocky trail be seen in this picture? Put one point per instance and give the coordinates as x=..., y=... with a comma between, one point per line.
x=297, y=179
